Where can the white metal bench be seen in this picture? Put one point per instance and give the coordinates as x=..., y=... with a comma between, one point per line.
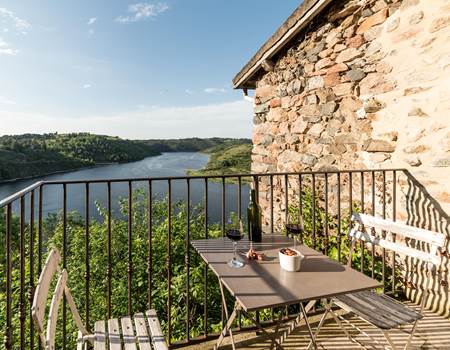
x=377, y=309
x=141, y=331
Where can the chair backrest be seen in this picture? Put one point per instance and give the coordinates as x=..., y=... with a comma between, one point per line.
x=41, y=294
x=366, y=227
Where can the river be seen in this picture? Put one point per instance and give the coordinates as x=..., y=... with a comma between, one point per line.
x=167, y=164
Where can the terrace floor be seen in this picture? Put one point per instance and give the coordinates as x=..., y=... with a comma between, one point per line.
x=433, y=332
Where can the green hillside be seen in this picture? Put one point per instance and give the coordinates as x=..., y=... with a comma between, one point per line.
x=36, y=155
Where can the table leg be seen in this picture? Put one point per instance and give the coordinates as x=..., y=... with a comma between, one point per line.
x=311, y=335
x=272, y=344
x=230, y=320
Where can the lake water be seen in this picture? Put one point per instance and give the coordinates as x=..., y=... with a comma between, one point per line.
x=167, y=164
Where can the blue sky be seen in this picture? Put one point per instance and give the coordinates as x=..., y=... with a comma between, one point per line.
x=156, y=69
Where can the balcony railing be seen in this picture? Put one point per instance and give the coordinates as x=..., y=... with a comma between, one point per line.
x=127, y=246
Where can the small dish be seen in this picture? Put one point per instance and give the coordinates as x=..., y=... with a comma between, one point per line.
x=290, y=259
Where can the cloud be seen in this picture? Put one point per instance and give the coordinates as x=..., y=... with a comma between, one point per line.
x=6, y=50
x=6, y=101
x=189, y=92
x=19, y=24
x=215, y=90
x=142, y=11
x=87, y=86
x=229, y=119
x=91, y=21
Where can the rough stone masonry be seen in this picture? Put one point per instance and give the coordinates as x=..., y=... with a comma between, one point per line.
x=366, y=86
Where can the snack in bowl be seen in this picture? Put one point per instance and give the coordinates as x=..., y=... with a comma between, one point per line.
x=253, y=255
x=290, y=259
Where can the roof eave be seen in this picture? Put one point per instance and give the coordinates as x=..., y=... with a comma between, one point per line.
x=303, y=15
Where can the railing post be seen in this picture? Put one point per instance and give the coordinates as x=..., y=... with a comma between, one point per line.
x=8, y=268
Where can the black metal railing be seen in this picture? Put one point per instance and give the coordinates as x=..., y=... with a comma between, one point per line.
x=324, y=200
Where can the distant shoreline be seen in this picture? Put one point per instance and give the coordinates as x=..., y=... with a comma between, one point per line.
x=59, y=172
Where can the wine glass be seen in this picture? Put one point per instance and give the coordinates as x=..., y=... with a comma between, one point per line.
x=235, y=235
x=295, y=229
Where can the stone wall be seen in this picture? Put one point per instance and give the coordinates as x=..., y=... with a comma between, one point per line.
x=367, y=86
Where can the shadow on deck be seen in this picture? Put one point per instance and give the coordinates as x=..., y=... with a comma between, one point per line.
x=433, y=333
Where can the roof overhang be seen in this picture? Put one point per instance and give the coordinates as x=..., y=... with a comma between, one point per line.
x=304, y=14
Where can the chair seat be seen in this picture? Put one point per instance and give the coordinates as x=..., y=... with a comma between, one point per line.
x=378, y=309
x=140, y=331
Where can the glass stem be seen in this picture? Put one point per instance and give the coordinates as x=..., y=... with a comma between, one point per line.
x=235, y=251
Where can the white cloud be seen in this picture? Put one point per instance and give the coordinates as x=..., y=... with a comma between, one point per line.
x=6, y=50
x=91, y=21
x=189, y=92
x=87, y=86
x=215, y=90
x=142, y=11
x=19, y=24
x=6, y=101
x=229, y=119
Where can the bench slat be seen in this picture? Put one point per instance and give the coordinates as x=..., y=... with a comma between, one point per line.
x=114, y=335
x=414, y=253
x=129, y=340
x=155, y=331
x=379, y=310
x=99, y=335
x=422, y=235
x=143, y=337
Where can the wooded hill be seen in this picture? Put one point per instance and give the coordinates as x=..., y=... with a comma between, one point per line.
x=35, y=155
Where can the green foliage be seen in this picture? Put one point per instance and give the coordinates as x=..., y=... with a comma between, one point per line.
x=226, y=160
x=98, y=263
x=32, y=154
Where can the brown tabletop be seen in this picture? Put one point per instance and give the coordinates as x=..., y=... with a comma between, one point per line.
x=264, y=284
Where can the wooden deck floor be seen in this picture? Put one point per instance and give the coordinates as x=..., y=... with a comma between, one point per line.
x=433, y=332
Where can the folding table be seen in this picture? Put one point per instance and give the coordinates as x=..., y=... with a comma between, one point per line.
x=264, y=284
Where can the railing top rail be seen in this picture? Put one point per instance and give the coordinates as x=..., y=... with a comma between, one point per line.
x=193, y=177
x=8, y=200
x=32, y=187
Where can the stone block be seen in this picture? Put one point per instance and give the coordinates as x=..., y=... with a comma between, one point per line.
x=348, y=55
x=373, y=145
x=355, y=41
x=275, y=102
x=373, y=20
x=328, y=108
x=376, y=83
x=441, y=161
x=413, y=160
x=343, y=89
x=344, y=139
x=316, y=130
x=315, y=83
x=324, y=63
x=299, y=126
x=417, y=112
x=337, y=68
x=332, y=79
x=356, y=74
x=373, y=105
x=261, y=108
x=439, y=23
x=416, y=18
x=415, y=149
x=393, y=24
x=265, y=91
x=309, y=160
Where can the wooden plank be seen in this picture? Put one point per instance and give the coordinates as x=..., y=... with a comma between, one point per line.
x=99, y=335
x=115, y=343
x=53, y=312
x=401, y=249
x=422, y=235
x=142, y=335
x=75, y=313
x=379, y=310
x=156, y=333
x=80, y=341
x=129, y=339
x=42, y=288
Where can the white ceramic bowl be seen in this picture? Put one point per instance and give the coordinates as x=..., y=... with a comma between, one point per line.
x=291, y=263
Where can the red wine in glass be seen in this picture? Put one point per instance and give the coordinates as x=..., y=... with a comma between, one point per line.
x=235, y=235
x=295, y=229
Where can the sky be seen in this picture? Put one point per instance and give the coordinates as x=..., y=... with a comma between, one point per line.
x=138, y=70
